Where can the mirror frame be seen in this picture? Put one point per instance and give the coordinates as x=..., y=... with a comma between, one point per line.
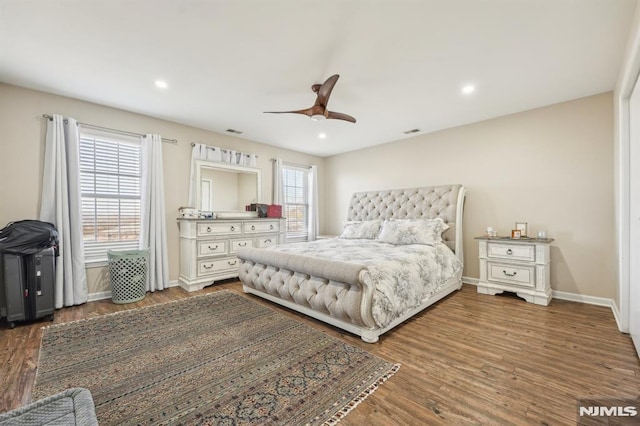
x=225, y=167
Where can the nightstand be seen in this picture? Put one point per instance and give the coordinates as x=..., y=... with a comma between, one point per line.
x=520, y=265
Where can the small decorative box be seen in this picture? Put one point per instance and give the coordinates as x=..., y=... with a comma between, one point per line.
x=274, y=210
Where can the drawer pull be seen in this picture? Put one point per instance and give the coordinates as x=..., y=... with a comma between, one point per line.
x=270, y=226
x=208, y=229
x=213, y=248
x=509, y=275
x=233, y=228
x=267, y=241
x=253, y=227
x=207, y=267
x=232, y=263
x=242, y=244
x=509, y=251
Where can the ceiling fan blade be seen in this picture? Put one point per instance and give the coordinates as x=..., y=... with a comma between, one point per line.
x=307, y=111
x=341, y=116
x=325, y=90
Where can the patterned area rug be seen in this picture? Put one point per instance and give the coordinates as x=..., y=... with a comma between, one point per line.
x=216, y=359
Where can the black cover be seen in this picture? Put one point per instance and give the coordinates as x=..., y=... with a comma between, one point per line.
x=28, y=237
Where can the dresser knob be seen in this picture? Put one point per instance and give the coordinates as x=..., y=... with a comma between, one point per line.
x=208, y=229
x=233, y=228
x=509, y=251
x=270, y=226
x=253, y=228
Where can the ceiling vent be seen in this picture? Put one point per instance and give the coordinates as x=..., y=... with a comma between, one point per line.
x=234, y=131
x=412, y=131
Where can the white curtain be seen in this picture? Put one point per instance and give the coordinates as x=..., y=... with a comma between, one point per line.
x=277, y=197
x=153, y=228
x=61, y=205
x=313, y=203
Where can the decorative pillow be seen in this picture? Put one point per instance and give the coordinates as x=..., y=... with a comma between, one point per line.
x=412, y=231
x=366, y=229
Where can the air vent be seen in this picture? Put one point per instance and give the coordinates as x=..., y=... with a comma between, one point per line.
x=234, y=131
x=409, y=132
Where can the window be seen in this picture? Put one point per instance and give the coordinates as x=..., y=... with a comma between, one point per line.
x=295, y=185
x=110, y=180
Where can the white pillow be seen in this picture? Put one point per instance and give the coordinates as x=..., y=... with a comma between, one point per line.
x=412, y=231
x=366, y=229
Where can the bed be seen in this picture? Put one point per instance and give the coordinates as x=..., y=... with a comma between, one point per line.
x=369, y=285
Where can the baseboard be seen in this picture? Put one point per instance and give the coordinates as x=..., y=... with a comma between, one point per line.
x=469, y=280
x=616, y=315
x=589, y=300
x=101, y=295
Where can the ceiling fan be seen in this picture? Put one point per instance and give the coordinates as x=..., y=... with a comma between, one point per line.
x=319, y=109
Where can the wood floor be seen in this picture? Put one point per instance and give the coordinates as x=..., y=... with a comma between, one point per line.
x=469, y=359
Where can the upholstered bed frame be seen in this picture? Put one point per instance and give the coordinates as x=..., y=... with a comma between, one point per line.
x=340, y=293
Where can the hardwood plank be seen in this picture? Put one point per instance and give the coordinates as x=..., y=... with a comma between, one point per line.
x=469, y=359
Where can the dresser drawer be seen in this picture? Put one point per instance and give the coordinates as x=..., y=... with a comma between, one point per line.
x=523, y=276
x=240, y=244
x=261, y=226
x=218, y=228
x=267, y=241
x=210, y=267
x=212, y=248
x=512, y=251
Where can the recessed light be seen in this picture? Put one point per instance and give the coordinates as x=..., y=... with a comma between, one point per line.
x=161, y=84
x=468, y=89
x=322, y=135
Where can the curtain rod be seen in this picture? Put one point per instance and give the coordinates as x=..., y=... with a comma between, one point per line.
x=121, y=132
x=221, y=149
x=289, y=163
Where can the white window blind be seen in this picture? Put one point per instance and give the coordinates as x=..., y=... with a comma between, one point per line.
x=110, y=181
x=295, y=183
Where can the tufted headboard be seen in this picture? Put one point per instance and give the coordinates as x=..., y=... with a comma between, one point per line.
x=429, y=202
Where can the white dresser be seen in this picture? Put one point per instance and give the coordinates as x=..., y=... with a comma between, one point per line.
x=521, y=266
x=208, y=247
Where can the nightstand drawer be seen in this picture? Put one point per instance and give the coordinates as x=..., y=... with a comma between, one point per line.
x=209, y=267
x=211, y=248
x=512, y=251
x=512, y=274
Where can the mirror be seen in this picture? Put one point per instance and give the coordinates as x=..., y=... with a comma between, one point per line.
x=226, y=187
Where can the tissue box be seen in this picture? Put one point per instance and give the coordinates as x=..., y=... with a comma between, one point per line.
x=274, y=210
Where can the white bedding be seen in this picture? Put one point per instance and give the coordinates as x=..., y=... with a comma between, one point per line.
x=405, y=276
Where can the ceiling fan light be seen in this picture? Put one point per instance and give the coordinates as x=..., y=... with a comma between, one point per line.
x=318, y=117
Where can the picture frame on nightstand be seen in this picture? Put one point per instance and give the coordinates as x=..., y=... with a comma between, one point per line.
x=522, y=227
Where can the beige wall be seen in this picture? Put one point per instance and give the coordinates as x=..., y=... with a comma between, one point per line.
x=550, y=167
x=22, y=130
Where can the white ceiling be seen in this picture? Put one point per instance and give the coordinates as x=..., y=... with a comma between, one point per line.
x=402, y=63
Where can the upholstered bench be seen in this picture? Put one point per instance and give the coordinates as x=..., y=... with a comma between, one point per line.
x=70, y=407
